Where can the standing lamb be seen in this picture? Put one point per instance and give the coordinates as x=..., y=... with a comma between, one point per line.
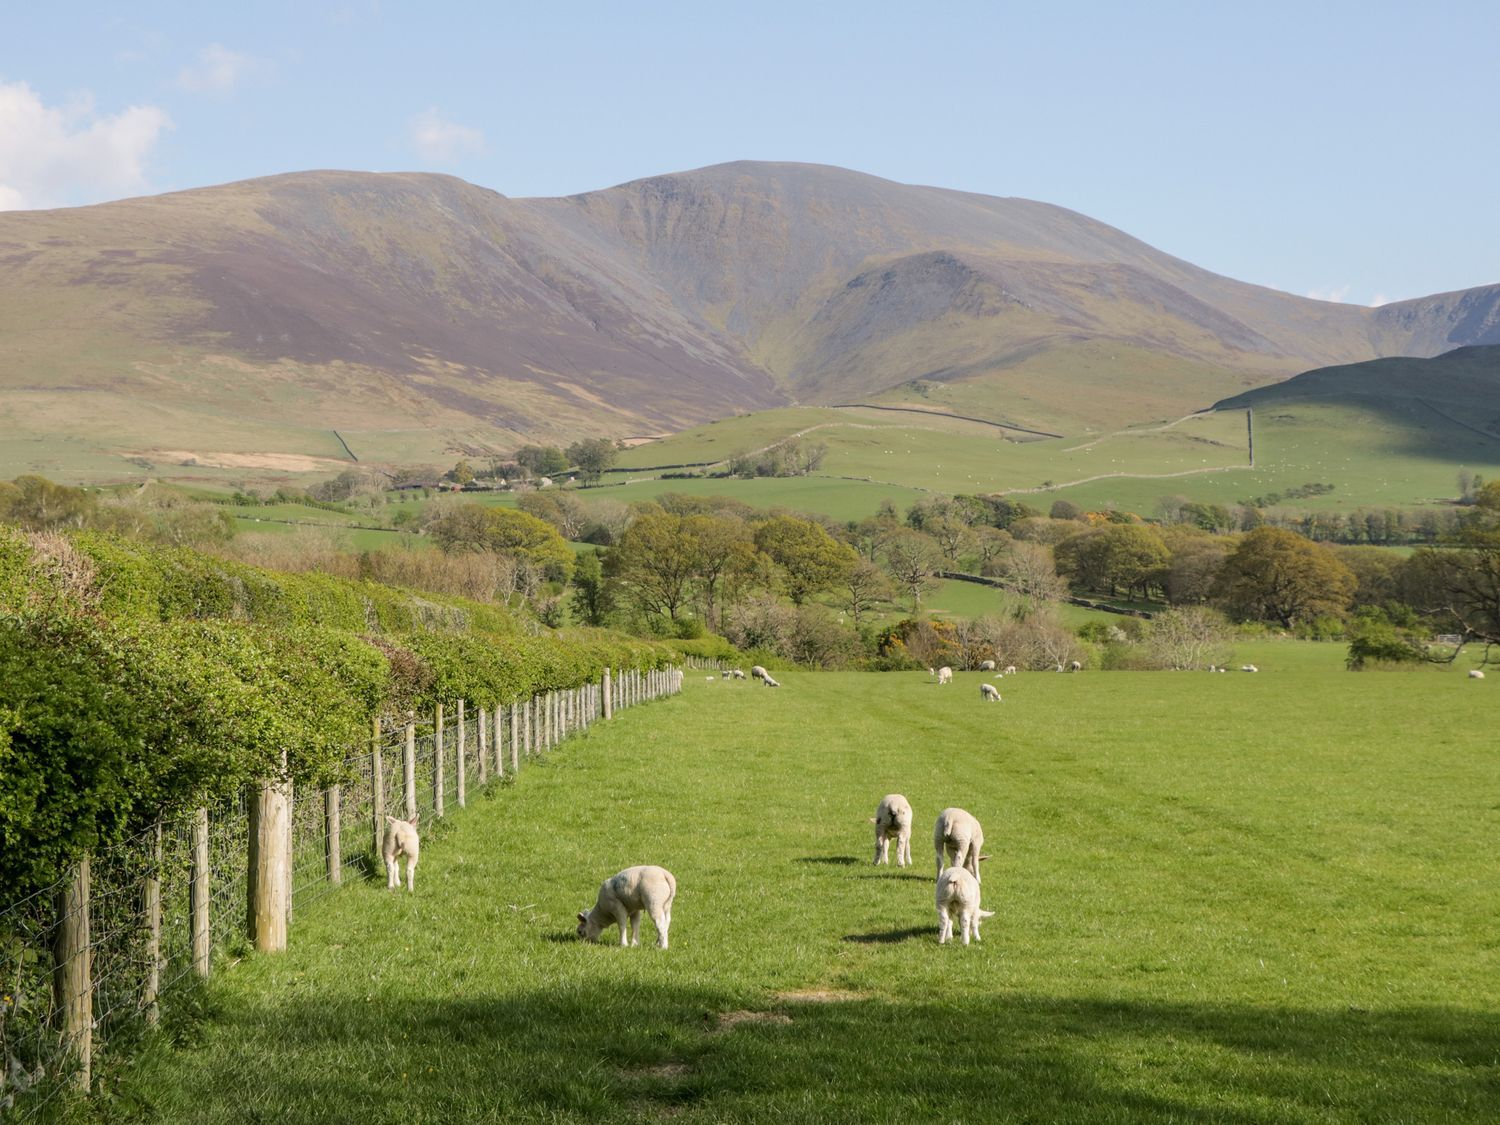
x=622, y=897
x=986, y=665
x=944, y=675
x=892, y=818
x=759, y=673
x=989, y=692
x=1010, y=669
x=401, y=840
x=1076, y=666
x=958, y=834
x=1475, y=674
x=958, y=893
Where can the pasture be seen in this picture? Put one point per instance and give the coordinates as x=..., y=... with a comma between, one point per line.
x=1250, y=898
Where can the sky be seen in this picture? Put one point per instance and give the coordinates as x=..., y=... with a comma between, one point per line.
x=1340, y=150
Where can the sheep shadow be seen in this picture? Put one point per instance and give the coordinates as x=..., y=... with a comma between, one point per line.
x=831, y=860
x=892, y=937
x=897, y=876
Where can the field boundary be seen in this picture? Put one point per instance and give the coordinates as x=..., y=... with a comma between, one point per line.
x=945, y=414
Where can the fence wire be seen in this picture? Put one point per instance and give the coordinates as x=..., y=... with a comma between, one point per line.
x=134, y=964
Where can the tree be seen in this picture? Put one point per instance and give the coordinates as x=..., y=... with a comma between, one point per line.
x=541, y=460
x=562, y=510
x=913, y=560
x=1276, y=575
x=1028, y=569
x=808, y=558
x=655, y=564
x=473, y=527
x=593, y=456
x=592, y=598
x=1065, y=510
x=1192, y=637
x=461, y=473
x=863, y=587
x=1458, y=589
x=722, y=551
x=40, y=505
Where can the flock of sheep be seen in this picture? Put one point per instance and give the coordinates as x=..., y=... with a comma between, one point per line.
x=956, y=836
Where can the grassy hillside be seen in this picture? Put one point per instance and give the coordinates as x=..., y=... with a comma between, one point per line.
x=1207, y=907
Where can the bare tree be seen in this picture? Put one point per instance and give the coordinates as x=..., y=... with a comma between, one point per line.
x=913, y=560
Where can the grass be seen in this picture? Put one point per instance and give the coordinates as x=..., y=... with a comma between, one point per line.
x=1242, y=898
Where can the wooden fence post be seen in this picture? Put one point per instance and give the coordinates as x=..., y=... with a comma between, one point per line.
x=608, y=703
x=198, y=896
x=268, y=883
x=409, y=765
x=377, y=792
x=531, y=713
x=286, y=852
x=463, y=768
x=515, y=740
x=152, y=989
x=333, y=832
x=439, y=781
x=484, y=766
x=74, y=979
x=499, y=741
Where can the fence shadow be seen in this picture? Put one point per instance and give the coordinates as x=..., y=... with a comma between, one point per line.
x=650, y=1048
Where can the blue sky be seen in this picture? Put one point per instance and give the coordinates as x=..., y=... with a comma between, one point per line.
x=1345, y=150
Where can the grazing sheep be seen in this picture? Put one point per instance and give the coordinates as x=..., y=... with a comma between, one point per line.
x=621, y=899
x=945, y=676
x=1010, y=670
x=986, y=665
x=1059, y=667
x=401, y=840
x=989, y=691
x=759, y=673
x=710, y=679
x=1475, y=674
x=1076, y=666
x=770, y=682
x=737, y=673
x=958, y=834
x=1249, y=668
x=958, y=893
x=892, y=818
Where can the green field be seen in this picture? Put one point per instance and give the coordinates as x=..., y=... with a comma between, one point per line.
x=1239, y=898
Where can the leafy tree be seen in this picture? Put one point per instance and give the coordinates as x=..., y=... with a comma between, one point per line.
x=562, y=510
x=809, y=559
x=541, y=460
x=38, y=504
x=473, y=527
x=593, y=456
x=592, y=598
x=722, y=554
x=1277, y=575
x=1065, y=510
x=461, y=473
x=655, y=563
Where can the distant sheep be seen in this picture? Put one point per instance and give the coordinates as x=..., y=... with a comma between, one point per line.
x=737, y=673
x=759, y=673
x=986, y=665
x=770, y=682
x=401, y=839
x=1249, y=668
x=1076, y=666
x=621, y=899
x=958, y=894
x=945, y=676
x=958, y=834
x=892, y=818
x=989, y=692
x=1010, y=670
x=1475, y=674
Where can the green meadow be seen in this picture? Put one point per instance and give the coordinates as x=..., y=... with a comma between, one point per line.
x=1247, y=898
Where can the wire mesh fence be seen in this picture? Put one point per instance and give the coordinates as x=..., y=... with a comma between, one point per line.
x=95, y=953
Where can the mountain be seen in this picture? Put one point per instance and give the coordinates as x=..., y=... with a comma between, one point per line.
x=416, y=315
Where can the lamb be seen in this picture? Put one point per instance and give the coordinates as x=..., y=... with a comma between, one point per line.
x=944, y=675
x=770, y=682
x=759, y=673
x=401, y=840
x=958, y=893
x=622, y=897
x=737, y=673
x=1076, y=666
x=1010, y=670
x=986, y=665
x=1475, y=674
x=1249, y=668
x=957, y=833
x=892, y=818
x=989, y=692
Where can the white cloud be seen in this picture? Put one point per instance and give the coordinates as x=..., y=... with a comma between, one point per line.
x=1335, y=293
x=218, y=70
x=55, y=155
x=436, y=138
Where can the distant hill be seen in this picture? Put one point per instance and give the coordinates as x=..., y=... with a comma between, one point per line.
x=417, y=315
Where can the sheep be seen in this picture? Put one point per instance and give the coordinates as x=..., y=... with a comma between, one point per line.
x=958, y=893
x=944, y=675
x=1076, y=666
x=401, y=840
x=957, y=833
x=1010, y=670
x=737, y=673
x=710, y=679
x=986, y=665
x=759, y=673
x=622, y=897
x=770, y=682
x=1059, y=668
x=1475, y=674
x=892, y=818
x=1249, y=668
x=989, y=692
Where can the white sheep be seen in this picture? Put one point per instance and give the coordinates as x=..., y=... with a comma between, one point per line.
x=958, y=893
x=957, y=833
x=401, y=839
x=770, y=682
x=1076, y=666
x=1010, y=670
x=944, y=675
x=1059, y=667
x=986, y=665
x=737, y=673
x=621, y=899
x=989, y=692
x=1475, y=674
x=892, y=818
x=1249, y=668
x=759, y=673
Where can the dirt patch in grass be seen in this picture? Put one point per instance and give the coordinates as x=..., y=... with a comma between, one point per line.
x=820, y=996
x=667, y=1071
x=728, y=1021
